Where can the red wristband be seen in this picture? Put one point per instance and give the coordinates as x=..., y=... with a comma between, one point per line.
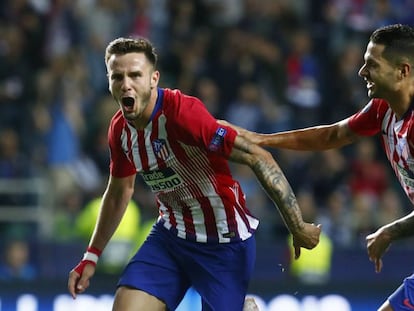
x=91, y=256
x=79, y=268
x=94, y=250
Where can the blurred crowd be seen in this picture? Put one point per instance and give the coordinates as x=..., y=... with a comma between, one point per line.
x=267, y=65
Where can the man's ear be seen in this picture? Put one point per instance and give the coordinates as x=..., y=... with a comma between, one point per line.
x=109, y=83
x=405, y=70
x=155, y=77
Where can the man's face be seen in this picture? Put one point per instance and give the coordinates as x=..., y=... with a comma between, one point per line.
x=380, y=74
x=131, y=79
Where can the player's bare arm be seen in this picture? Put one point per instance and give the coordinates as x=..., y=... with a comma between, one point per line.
x=401, y=228
x=315, y=138
x=277, y=187
x=379, y=241
x=114, y=202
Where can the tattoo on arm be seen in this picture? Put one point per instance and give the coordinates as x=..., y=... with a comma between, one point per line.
x=272, y=180
x=277, y=187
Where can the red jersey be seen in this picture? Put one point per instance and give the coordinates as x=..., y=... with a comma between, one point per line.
x=397, y=138
x=182, y=156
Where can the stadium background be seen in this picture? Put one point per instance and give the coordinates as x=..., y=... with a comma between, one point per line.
x=266, y=65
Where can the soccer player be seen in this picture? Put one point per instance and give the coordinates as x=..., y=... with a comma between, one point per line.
x=388, y=71
x=204, y=236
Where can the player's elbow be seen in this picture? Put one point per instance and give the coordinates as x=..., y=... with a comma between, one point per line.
x=260, y=157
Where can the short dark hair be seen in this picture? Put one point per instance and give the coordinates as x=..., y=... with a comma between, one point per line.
x=131, y=45
x=397, y=39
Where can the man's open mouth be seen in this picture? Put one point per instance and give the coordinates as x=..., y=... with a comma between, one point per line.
x=128, y=101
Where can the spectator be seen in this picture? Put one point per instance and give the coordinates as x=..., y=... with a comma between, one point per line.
x=303, y=90
x=16, y=264
x=246, y=110
x=336, y=219
x=14, y=165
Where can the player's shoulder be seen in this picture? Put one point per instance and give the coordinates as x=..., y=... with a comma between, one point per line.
x=178, y=104
x=378, y=106
x=177, y=96
x=117, y=121
x=117, y=117
x=172, y=95
x=379, y=102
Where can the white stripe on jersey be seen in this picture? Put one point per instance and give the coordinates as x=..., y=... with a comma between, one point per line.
x=148, y=146
x=134, y=144
x=165, y=215
x=221, y=219
x=254, y=223
x=241, y=229
x=198, y=220
x=241, y=226
x=124, y=142
x=181, y=232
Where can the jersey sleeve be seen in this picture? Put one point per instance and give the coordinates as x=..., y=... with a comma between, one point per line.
x=119, y=166
x=367, y=121
x=196, y=126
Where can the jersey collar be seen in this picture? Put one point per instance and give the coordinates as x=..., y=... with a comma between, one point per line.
x=158, y=104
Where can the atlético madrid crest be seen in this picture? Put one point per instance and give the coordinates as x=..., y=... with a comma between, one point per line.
x=160, y=149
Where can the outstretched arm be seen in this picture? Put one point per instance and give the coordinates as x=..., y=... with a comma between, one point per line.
x=315, y=138
x=277, y=187
x=379, y=241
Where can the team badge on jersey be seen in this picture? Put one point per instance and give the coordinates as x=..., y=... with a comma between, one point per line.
x=160, y=149
x=217, y=139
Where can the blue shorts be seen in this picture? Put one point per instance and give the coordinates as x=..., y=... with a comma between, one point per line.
x=167, y=266
x=403, y=298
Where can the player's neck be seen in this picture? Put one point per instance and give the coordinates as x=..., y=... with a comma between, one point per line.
x=402, y=105
x=141, y=122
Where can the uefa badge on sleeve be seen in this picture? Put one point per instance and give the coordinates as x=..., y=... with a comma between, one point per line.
x=217, y=139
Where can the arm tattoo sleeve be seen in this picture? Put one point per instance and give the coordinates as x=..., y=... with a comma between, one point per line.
x=278, y=189
x=272, y=180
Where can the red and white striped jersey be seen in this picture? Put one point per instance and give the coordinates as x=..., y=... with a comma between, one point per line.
x=397, y=138
x=182, y=156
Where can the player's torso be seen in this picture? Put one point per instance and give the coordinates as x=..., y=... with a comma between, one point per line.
x=165, y=163
x=196, y=197
x=397, y=137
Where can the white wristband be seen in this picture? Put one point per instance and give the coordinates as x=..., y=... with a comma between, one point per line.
x=91, y=257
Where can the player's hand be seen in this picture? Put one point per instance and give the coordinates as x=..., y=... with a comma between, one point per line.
x=250, y=136
x=79, y=277
x=307, y=238
x=377, y=244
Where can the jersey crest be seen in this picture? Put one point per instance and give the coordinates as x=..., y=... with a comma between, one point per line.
x=160, y=149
